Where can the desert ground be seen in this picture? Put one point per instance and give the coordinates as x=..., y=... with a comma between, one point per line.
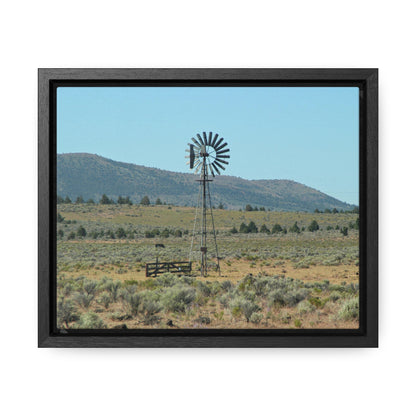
x=278, y=277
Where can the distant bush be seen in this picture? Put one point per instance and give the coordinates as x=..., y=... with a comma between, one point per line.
x=105, y=200
x=124, y=201
x=243, y=228
x=252, y=228
x=354, y=225
x=145, y=201
x=71, y=236
x=344, y=231
x=121, y=233
x=313, y=226
x=94, y=235
x=249, y=207
x=81, y=232
x=277, y=228
x=294, y=228
x=110, y=234
x=264, y=229
x=233, y=230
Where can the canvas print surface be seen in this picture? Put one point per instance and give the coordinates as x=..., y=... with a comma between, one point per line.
x=207, y=207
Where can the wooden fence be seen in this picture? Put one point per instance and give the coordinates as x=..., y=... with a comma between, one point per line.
x=153, y=269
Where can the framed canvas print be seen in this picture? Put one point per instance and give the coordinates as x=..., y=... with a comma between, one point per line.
x=208, y=208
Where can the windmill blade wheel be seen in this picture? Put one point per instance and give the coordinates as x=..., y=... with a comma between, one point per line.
x=207, y=149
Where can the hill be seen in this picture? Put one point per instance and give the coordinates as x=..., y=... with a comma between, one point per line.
x=90, y=176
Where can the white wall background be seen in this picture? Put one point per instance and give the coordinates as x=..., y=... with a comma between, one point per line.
x=181, y=33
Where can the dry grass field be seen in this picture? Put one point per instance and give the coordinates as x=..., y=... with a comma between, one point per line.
x=268, y=280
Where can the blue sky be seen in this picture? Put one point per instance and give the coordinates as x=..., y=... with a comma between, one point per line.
x=306, y=134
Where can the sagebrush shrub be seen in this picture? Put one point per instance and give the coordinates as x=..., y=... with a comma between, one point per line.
x=224, y=299
x=113, y=288
x=305, y=307
x=167, y=280
x=83, y=299
x=261, y=286
x=334, y=296
x=350, y=309
x=247, y=307
x=66, y=312
x=285, y=297
x=68, y=288
x=90, y=320
x=90, y=286
x=151, y=307
x=226, y=285
x=131, y=289
x=203, y=288
x=178, y=298
x=105, y=300
x=131, y=301
x=256, y=317
x=187, y=280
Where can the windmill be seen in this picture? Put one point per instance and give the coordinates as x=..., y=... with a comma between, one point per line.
x=207, y=155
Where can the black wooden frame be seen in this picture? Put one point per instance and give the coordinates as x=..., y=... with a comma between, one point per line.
x=365, y=336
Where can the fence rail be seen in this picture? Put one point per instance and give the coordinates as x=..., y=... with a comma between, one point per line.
x=153, y=269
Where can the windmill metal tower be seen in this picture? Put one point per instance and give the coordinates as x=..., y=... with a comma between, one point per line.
x=207, y=155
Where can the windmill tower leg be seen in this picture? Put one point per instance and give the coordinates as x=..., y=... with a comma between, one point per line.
x=215, y=234
x=204, y=266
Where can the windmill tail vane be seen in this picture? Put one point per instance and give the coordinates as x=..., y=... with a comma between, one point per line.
x=207, y=155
